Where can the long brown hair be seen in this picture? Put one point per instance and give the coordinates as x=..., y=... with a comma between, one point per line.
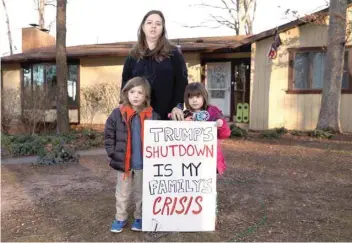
x=163, y=47
x=134, y=82
x=195, y=89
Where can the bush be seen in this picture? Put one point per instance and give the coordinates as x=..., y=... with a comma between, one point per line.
x=237, y=131
x=320, y=134
x=23, y=145
x=297, y=133
x=58, y=154
x=281, y=130
x=270, y=134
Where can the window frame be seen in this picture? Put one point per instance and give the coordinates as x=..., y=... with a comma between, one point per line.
x=292, y=54
x=45, y=63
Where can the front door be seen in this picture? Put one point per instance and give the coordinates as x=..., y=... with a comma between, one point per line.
x=218, y=83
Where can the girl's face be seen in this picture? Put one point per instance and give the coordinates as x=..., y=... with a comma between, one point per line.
x=153, y=27
x=196, y=102
x=136, y=97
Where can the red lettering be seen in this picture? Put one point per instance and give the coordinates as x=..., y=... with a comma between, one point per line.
x=157, y=200
x=148, y=152
x=155, y=152
x=188, y=153
x=189, y=205
x=165, y=149
x=198, y=201
x=179, y=150
x=209, y=151
x=200, y=151
x=167, y=202
x=170, y=205
x=173, y=149
x=174, y=206
x=182, y=200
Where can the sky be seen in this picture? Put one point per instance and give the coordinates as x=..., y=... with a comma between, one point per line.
x=106, y=21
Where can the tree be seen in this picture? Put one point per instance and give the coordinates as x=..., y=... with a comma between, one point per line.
x=329, y=116
x=240, y=18
x=61, y=69
x=8, y=27
x=40, y=7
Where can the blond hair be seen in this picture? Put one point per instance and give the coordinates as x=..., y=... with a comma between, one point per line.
x=134, y=82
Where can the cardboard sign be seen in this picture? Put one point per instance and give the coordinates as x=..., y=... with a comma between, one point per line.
x=179, y=176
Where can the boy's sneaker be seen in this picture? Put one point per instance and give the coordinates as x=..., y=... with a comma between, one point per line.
x=117, y=226
x=137, y=225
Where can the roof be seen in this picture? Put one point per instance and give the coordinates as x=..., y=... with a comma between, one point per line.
x=200, y=44
x=281, y=28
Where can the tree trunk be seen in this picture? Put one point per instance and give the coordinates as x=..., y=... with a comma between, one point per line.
x=241, y=17
x=41, y=11
x=61, y=69
x=329, y=116
x=8, y=28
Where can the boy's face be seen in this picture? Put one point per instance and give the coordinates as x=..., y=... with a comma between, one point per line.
x=136, y=96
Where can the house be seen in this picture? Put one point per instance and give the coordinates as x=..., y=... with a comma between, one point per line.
x=236, y=70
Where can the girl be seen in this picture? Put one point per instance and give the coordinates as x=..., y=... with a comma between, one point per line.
x=123, y=139
x=198, y=108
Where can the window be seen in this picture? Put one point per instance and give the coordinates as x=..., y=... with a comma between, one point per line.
x=39, y=81
x=306, y=70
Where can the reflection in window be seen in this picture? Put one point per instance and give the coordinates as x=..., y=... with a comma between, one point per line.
x=39, y=78
x=301, y=70
x=72, y=84
x=309, y=68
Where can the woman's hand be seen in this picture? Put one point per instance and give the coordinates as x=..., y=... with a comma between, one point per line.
x=219, y=123
x=177, y=114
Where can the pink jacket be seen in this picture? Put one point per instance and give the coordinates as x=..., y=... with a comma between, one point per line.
x=223, y=133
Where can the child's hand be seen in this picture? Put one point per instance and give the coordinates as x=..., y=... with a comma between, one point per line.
x=189, y=118
x=219, y=123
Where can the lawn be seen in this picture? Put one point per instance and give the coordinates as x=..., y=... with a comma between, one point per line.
x=287, y=189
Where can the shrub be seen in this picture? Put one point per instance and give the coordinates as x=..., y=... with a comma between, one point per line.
x=320, y=134
x=237, y=131
x=297, y=133
x=58, y=154
x=281, y=130
x=270, y=134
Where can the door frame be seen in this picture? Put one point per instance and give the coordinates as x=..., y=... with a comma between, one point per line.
x=233, y=61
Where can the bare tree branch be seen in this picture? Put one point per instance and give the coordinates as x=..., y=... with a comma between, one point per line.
x=241, y=13
x=210, y=6
x=50, y=4
x=9, y=35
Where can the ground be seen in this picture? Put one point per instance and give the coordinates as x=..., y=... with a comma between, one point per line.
x=289, y=189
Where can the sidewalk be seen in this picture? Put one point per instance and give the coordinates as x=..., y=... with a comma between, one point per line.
x=30, y=159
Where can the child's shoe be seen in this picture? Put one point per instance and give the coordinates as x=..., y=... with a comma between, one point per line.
x=137, y=225
x=117, y=226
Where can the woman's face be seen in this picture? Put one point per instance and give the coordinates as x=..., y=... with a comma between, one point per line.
x=153, y=27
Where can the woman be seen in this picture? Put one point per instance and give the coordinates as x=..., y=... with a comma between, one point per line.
x=161, y=63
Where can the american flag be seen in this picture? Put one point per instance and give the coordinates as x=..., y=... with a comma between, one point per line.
x=273, y=49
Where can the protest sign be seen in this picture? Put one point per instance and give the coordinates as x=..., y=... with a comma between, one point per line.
x=179, y=176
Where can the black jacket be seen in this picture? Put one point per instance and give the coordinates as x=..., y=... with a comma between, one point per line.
x=115, y=138
x=168, y=79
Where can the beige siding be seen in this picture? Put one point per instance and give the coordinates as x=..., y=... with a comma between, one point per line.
x=193, y=66
x=270, y=105
x=259, y=89
x=97, y=71
x=109, y=70
x=11, y=85
x=11, y=78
